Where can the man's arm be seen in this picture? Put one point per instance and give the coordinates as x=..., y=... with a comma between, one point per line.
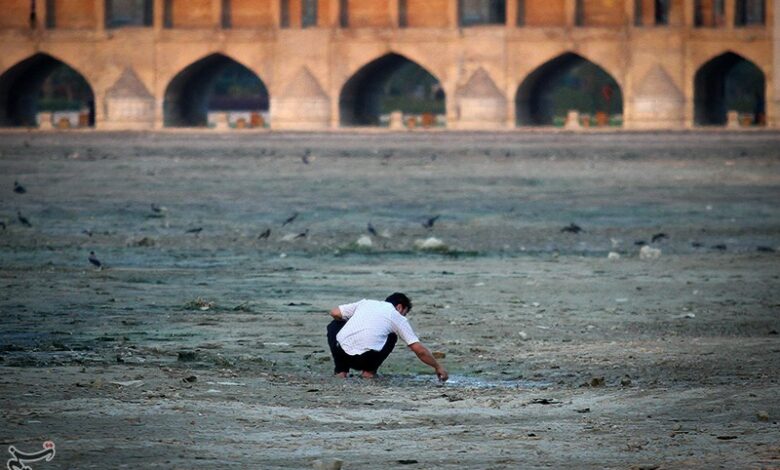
x=336, y=314
x=425, y=356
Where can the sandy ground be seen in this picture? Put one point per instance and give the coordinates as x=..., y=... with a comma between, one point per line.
x=201, y=345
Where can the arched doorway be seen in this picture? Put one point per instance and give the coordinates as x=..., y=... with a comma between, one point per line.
x=569, y=82
x=216, y=84
x=392, y=83
x=42, y=83
x=726, y=83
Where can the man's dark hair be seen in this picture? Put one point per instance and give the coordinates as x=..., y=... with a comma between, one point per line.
x=399, y=298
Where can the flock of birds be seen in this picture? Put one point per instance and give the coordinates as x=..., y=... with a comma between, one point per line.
x=428, y=223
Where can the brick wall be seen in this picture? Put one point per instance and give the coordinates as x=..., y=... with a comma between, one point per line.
x=251, y=13
x=374, y=13
x=75, y=14
x=426, y=13
x=603, y=13
x=192, y=13
x=16, y=13
x=545, y=13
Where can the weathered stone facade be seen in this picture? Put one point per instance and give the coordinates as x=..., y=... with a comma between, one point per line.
x=305, y=61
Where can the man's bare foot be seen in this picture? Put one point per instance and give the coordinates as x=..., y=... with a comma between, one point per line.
x=342, y=375
x=368, y=375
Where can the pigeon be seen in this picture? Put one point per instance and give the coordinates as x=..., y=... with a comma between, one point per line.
x=432, y=220
x=720, y=247
x=658, y=236
x=640, y=243
x=305, y=158
x=302, y=234
x=87, y=232
x=158, y=209
x=18, y=188
x=762, y=249
x=572, y=228
x=266, y=233
x=94, y=260
x=290, y=219
x=696, y=244
x=371, y=229
x=23, y=219
x=195, y=230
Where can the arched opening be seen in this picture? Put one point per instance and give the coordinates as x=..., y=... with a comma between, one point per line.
x=392, y=83
x=43, y=84
x=726, y=83
x=569, y=82
x=216, y=89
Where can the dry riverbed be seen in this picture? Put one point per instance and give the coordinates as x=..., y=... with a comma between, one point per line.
x=201, y=343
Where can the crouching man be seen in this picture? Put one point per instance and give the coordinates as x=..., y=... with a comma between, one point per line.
x=364, y=333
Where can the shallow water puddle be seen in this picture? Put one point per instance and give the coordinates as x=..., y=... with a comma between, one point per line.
x=464, y=381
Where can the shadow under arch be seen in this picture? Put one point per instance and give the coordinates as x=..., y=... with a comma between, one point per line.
x=729, y=82
x=567, y=82
x=389, y=83
x=215, y=82
x=43, y=83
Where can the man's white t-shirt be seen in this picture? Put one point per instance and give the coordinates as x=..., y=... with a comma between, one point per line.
x=369, y=323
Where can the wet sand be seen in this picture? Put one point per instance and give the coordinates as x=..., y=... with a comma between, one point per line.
x=201, y=344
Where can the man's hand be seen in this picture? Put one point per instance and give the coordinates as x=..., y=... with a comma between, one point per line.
x=425, y=356
x=336, y=314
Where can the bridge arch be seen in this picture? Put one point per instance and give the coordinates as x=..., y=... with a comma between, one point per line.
x=389, y=83
x=567, y=82
x=729, y=82
x=44, y=83
x=213, y=83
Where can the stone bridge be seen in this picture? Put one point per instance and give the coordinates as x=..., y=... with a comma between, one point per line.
x=149, y=63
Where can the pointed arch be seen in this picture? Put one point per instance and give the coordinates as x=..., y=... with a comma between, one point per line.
x=729, y=82
x=198, y=88
x=43, y=83
x=389, y=83
x=568, y=81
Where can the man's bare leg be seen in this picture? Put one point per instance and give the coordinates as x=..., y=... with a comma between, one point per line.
x=343, y=375
x=368, y=374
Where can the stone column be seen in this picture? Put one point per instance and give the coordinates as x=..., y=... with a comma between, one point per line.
x=216, y=14
x=729, y=14
x=41, y=15
x=511, y=13
x=158, y=15
x=394, y=10
x=276, y=13
x=773, y=101
x=100, y=16
x=570, y=7
x=688, y=13
x=452, y=13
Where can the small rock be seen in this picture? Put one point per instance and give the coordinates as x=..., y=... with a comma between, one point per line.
x=439, y=354
x=583, y=410
x=597, y=381
x=364, y=242
x=762, y=416
x=330, y=464
x=187, y=356
x=430, y=243
x=190, y=379
x=523, y=335
x=613, y=255
x=649, y=253
x=625, y=381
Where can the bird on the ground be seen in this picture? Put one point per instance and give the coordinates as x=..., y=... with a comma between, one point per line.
x=290, y=219
x=302, y=234
x=195, y=230
x=572, y=228
x=696, y=244
x=18, y=188
x=431, y=220
x=93, y=259
x=23, y=219
x=658, y=236
x=720, y=247
x=765, y=249
x=306, y=157
x=158, y=209
x=266, y=233
x=371, y=229
x=640, y=243
x=87, y=232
